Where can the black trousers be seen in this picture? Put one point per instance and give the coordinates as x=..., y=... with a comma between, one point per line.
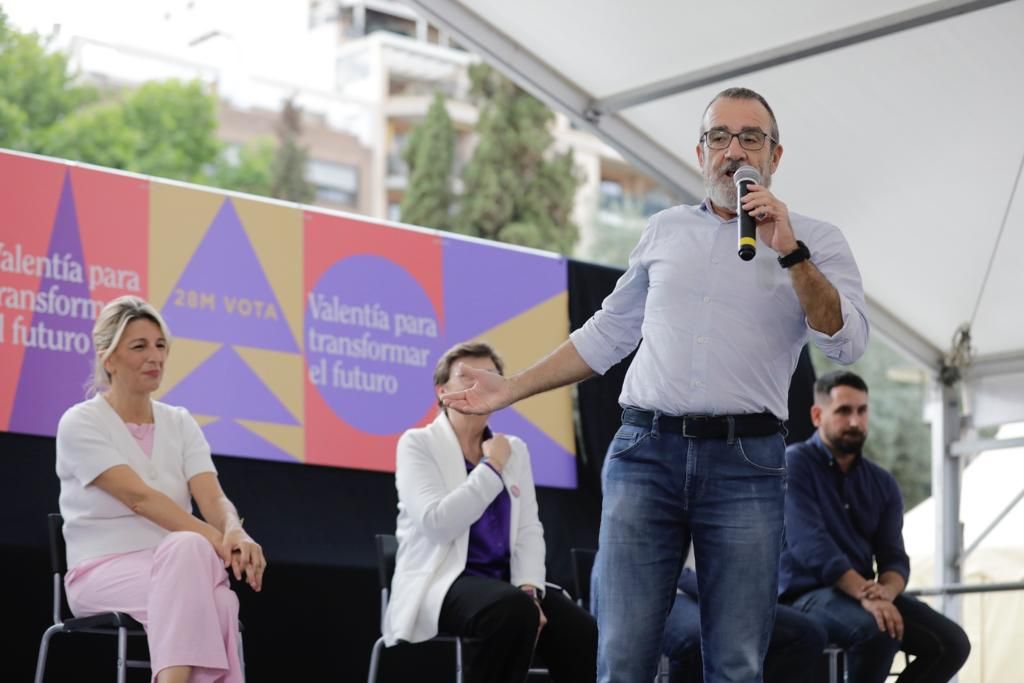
x=940, y=647
x=503, y=621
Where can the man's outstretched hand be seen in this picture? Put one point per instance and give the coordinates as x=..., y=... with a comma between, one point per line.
x=485, y=391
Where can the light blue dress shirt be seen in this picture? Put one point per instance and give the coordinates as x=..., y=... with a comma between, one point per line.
x=721, y=335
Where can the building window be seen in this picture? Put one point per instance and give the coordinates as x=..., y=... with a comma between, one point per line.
x=380, y=21
x=611, y=195
x=655, y=201
x=334, y=183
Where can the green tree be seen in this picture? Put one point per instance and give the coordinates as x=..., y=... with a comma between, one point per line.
x=36, y=88
x=899, y=439
x=429, y=152
x=178, y=126
x=616, y=234
x=288, y=169
x=516, y=189
x=97, y=134
x=166, y=129
x=248, y=172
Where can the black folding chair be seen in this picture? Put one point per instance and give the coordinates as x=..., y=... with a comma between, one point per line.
x=582, y=566
x=387, y=549
x=108, y=623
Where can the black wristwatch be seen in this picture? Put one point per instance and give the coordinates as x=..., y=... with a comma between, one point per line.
x=802, y=253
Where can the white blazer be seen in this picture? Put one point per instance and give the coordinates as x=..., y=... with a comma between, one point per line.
x=437, y=503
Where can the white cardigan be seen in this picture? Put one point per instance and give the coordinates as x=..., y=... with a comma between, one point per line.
x=92, y=438
x=437, y=503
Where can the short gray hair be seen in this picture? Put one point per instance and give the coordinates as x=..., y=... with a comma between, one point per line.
x=743, y=94
x=106, y=334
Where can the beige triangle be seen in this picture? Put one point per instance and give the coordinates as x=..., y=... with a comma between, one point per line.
x=204, y=420
x=281, y=372
x=178, y=220
x=521, y=341
x=289, y=438
x=186, y=355
x=276, y=235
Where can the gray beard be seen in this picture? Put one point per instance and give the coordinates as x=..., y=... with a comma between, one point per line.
x=722, y=191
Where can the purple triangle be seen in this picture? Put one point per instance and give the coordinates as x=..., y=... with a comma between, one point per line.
x=216, y=287
x=552, y=465
x=485, y=285
x=225, y=386
x=227, y=437
x=52, y=380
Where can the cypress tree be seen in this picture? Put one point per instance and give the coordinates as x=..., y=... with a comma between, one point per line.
x=516, y=188
x=429, y=152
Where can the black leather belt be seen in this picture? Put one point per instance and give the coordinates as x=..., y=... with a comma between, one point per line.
x=706, y=426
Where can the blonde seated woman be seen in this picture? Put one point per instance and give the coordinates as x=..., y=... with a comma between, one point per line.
x=471, y=547
x=129, y=469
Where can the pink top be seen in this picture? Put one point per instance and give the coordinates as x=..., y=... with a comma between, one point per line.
x=143, y=434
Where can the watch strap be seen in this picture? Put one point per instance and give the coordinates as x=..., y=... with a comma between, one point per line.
x=801, y=253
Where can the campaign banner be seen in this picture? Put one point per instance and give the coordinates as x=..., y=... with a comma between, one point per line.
x=299, y=335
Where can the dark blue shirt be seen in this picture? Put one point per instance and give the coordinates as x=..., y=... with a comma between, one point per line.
x=489, y=552
x=836, y=522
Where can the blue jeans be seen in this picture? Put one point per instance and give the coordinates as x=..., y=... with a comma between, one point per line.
x=663, y=491
x=939, y=645
x=796, y=644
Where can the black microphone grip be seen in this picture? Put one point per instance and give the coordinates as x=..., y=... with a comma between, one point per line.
x=747, y=226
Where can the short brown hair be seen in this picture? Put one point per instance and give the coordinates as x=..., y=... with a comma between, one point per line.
x=443, y=369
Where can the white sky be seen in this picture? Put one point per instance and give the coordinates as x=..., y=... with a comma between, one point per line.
x=167, y=25
x=153, y=20
x=273, y=40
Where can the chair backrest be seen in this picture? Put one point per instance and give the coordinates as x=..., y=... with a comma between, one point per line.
x=387, y=549
x=58, y=550
x=582, y=565
x=58, y=564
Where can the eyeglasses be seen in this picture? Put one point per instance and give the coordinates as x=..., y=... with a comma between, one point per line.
x=751, y=140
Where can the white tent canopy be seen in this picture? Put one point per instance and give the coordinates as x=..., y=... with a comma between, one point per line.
x=907, y=141
x=900, y=121
x=993, y=528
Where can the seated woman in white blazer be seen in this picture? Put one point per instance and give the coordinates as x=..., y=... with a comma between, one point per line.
x=471, y=547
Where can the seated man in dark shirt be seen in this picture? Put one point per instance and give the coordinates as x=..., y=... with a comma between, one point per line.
x=844, y=516
x=796, y=642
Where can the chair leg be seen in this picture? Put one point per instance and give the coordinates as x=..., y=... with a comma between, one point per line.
x=375, y=660
x=241, y=655
x=122, y=654
x=458, y=660
x=44, y=646
x=663, y=666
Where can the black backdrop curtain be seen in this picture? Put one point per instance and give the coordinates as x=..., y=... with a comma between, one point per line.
x=319, y=613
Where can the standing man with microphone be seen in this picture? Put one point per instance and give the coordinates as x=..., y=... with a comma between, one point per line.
x=700, y=456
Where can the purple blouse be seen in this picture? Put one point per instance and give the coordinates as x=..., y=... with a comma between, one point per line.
x=489, y=547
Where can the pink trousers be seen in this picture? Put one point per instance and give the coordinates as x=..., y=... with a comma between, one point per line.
x=179, y=591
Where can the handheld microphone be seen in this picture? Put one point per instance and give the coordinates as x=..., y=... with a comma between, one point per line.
x=746, y=227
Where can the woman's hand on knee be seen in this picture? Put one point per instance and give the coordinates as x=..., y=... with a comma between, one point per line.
x=245, y=556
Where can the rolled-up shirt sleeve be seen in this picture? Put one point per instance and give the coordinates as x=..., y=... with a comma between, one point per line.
x=615, y=330
x=832, y=256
